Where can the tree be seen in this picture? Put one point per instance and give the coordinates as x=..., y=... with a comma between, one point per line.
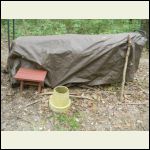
x=145, y=27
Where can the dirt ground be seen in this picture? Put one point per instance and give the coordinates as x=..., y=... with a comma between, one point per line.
x=101, y=113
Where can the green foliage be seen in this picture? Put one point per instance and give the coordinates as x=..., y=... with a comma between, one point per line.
x=25, y=27
x=66, y=122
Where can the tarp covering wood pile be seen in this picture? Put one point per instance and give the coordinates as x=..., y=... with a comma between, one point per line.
x=75, y=58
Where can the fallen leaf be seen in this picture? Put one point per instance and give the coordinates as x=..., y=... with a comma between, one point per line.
x=90, y=104
x=95, y=96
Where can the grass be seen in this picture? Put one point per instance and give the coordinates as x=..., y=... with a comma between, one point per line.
x=66, y=122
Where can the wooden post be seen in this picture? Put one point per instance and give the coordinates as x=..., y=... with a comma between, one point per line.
x=39, y=87
x=125, y=68
x=21, y=86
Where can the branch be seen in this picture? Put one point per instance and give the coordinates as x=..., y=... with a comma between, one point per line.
x=125, y=68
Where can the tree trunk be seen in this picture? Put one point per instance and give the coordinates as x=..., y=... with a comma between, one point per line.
x=145, y=27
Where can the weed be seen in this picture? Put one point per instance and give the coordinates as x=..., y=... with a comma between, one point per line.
x=66, y=122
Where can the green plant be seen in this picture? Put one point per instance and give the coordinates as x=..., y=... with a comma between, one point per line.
x=67, y=122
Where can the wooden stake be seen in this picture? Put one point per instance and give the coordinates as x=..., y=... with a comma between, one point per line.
x=125, y=68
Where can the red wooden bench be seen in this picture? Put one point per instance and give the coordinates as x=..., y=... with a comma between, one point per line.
x=31, y=77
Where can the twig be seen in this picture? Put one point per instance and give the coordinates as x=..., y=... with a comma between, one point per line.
x=142, y=88
x=113, y=92
x=133, y=103
x=125, y=68
x=85, y=86
x=50, y=93
x=136, y=103
x=83, y=97
x=46, y=93
x=23, y=119
x=33, y=103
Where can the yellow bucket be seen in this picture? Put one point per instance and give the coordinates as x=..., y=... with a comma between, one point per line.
x=60, y=101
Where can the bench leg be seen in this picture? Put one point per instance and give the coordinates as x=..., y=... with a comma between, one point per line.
x=39, y=87
x=43, y=84
x=21, y=86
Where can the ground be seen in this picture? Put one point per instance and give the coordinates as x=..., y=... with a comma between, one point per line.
x=101, y=113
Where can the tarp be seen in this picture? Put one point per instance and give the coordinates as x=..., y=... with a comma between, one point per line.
x=75, y=58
